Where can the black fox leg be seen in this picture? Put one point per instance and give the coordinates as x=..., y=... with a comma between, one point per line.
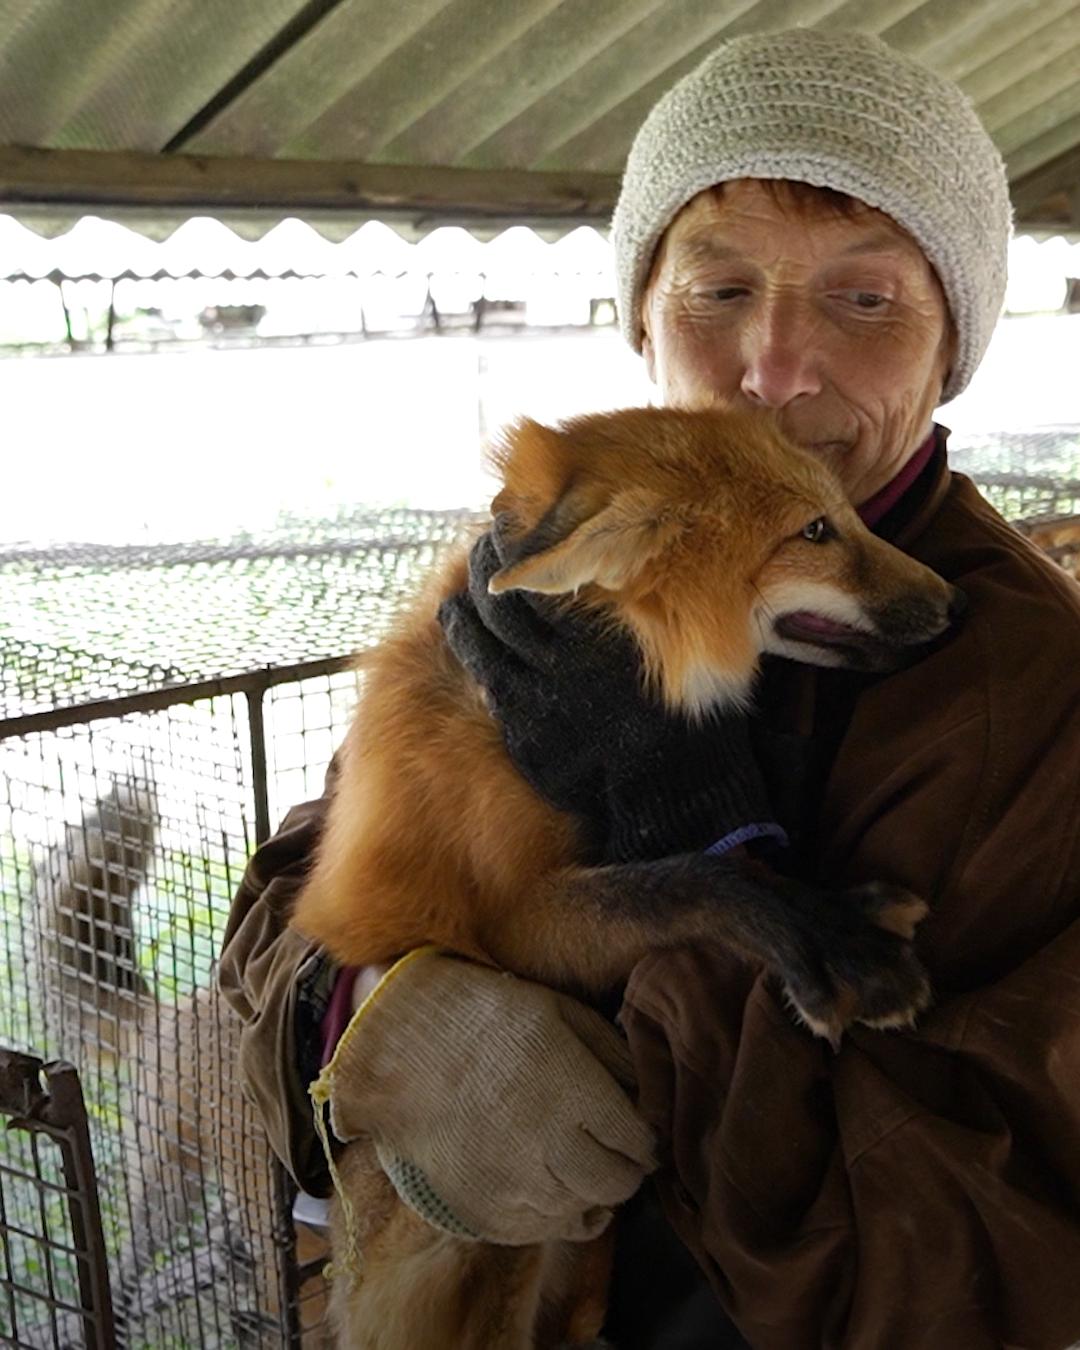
x=842, y=956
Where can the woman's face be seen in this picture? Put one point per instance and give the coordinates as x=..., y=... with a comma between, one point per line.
x=836, y=321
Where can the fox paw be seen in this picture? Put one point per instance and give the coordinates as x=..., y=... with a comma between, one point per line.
x=857, y=962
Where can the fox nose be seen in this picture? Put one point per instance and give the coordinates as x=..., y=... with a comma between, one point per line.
x=958, y=604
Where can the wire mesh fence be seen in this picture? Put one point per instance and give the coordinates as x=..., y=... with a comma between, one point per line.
x=1026, y=475
x=121, y=843
x=91, y=623
x=165, y=707
x=159, y=709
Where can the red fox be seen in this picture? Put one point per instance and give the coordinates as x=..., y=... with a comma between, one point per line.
x=711, y=541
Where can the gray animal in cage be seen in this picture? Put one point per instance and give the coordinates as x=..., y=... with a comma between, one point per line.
x=197, y=1170
x=88, y=883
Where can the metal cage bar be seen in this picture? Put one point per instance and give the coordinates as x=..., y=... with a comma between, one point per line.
x=47, y=1099
x=243, y=1273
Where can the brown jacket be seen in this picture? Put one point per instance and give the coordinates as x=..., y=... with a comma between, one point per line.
x=914, y=1192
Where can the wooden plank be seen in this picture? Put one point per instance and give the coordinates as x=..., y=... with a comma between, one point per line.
x=87, y=178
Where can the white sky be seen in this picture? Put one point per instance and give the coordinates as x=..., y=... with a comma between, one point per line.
x=192, y=444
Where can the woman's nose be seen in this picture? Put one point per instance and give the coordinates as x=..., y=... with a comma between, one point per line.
x=780, y=360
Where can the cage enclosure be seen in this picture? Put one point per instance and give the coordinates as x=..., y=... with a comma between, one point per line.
x=161, y=708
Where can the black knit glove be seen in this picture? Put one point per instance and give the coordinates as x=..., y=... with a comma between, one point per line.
x=582, y=731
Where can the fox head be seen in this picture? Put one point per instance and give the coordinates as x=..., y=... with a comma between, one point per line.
x=713, y=540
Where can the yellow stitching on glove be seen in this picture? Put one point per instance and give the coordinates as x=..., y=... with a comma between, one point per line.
x=319, y=1092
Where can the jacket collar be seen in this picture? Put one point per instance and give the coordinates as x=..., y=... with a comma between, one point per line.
x=918, y=506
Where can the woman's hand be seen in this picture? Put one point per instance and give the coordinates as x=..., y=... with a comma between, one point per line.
x=498, y=1107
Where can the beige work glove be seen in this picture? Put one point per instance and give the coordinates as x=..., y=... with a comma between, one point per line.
x=495, y=1104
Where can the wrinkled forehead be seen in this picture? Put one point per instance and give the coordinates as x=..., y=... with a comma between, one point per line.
x=753, y=215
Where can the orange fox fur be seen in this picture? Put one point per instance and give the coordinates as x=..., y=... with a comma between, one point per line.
x=694, y=531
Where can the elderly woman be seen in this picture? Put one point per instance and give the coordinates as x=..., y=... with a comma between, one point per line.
x=812, y=224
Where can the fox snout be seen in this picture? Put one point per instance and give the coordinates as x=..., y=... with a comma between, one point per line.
x=876, y=619
x=906, y=627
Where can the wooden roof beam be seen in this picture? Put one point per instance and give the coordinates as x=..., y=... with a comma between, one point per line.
x=85, y=179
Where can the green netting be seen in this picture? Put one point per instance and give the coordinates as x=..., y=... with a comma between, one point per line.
x=124, y=831
x=81, y=623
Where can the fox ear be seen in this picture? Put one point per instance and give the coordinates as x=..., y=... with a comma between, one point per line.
x=579, y=542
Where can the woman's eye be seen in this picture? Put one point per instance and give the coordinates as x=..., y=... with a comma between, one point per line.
x=868, y=299
x=722, y=292
x=817, y=531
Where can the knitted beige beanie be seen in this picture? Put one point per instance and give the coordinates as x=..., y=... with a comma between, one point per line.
x=838, y=110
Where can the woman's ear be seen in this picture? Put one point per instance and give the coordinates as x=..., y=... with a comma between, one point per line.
x=947, y=352
x=648, y=355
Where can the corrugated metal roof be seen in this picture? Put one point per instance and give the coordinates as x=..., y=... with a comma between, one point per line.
x=526, y=108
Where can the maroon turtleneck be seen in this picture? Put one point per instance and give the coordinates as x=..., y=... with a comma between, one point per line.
x=883, y=501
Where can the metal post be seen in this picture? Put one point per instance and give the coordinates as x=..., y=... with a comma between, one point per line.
x=67, y=314
x=258, y=763
x=111, y=320
x=285, y=1245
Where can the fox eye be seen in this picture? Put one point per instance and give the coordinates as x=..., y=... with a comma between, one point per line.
x=818, y=531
